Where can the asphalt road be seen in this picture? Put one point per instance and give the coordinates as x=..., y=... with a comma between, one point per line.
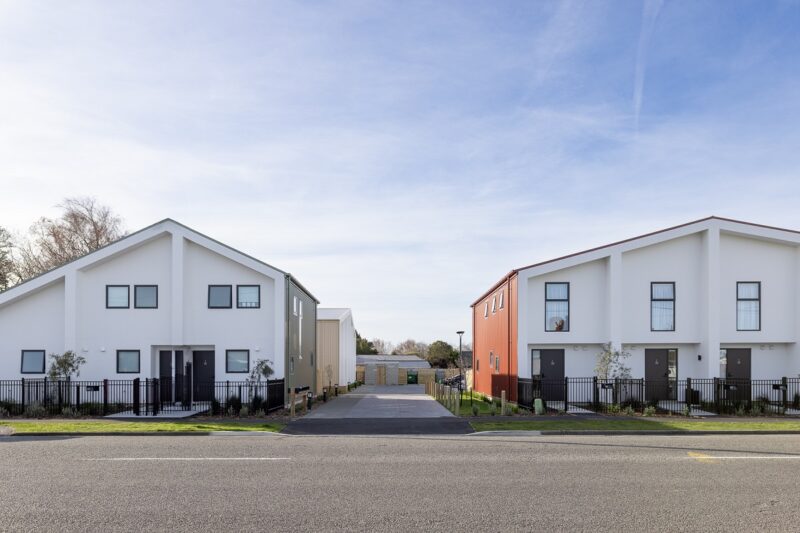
x=288, y=483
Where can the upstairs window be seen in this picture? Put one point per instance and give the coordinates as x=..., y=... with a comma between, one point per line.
x=494, y=305
x=118, y=297
x=145, y=296
x=32, y=362
x=748, y=306
x=502, y=299
x=248, y=296
x=662, y=306
x=556, y=306
x=486, y=310
x=219, y=296
x=294, y=300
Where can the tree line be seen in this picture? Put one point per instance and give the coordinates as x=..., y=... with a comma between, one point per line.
x=439, y=354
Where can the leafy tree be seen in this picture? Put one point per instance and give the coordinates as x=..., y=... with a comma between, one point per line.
x=83, y=227
x=261, y=369
x=64, y=366
x=441, y=354
x=363, y=346
x=7, y=275
x=611, y=363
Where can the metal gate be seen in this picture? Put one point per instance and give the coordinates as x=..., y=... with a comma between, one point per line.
x=391, y=374
x=371, y=374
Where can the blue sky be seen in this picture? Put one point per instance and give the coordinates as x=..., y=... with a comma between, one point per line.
x=400, y=157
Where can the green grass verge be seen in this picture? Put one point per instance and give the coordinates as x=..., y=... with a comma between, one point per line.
x=111, y=426
x=637, y=425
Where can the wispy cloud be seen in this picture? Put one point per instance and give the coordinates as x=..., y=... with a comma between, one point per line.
x=399, y=158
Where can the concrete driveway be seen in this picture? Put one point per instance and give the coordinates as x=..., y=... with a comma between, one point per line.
x=382, y=401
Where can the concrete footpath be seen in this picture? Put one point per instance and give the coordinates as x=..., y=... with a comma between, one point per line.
x=381, y=401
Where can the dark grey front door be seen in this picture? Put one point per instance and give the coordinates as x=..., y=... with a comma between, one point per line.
x=165, y=374
x=737, y=374
x=660, y=374
x=203, y=379
x=552, y=375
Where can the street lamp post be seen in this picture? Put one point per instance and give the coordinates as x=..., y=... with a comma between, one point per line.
x=460, y=362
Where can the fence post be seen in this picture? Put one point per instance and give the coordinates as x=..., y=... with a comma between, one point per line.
x=716, y=395
x=22, y=396
x=595, y=394
x=502, y=403
x=105, y=397
x=156, y=395
x=566, y=394
x=615, y=394
x=45, y=396
x=785, y=393
x=136, y=392
x=688, y=396
x=77, y=396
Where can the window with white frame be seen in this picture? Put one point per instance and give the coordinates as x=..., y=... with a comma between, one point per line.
x=486, y=310
x=502, y=299
x=662, y=306
x=556, y=306
x=748, y=306
x=494, y=305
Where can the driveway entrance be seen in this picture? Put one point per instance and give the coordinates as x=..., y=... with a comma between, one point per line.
x=382, y=401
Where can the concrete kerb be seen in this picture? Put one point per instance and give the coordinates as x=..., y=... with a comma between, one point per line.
x=622, y=432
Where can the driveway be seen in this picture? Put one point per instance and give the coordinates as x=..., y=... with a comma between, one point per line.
x=381, y=401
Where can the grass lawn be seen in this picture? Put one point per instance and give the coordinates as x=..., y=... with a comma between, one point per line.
x=637, y=424
x=484, y=408
x=111, y=426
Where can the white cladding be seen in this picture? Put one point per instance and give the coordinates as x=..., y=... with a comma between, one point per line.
x=610, y=299
x=347, y=341
x=65, y=309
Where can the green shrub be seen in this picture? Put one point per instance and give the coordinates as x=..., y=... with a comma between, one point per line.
x=796, y=401
x=649, y=411
x=8, y=405
x=492, y=409
x=235, y=403
x=244, y=411
x=260, y=413
x=69, y=412
x=613, y=409
x=628, y=411
x=686, y=411
x=35, y=411
x=514, y=409
x=741, y=411
x=475, y=410
x=257, y=403
x=4, y=413
x=216, y=408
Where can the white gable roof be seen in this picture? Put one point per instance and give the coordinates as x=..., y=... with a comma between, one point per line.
x=725, y=225
x=138, y=238
x=333, y=313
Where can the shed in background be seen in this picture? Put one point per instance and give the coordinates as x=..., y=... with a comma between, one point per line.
x=336, y=348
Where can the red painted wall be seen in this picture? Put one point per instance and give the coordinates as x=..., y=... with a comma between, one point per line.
x=496, y=336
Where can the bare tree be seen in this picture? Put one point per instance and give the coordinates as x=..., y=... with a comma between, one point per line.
x=83, y=227
x=411, y=347
x=7, y=271
x=382, y=346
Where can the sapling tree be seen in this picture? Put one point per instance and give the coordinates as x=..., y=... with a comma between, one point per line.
x=262, y=368
x=64, y=366
x=611, y=363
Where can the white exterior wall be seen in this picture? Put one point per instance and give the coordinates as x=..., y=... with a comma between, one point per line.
x=610, y=300
x=347, y=351
x=65, y=309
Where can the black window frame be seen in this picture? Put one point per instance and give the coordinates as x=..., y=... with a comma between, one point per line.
x=22, y=360
x=748, y=300
x=227, y=367
x=230, y=303
x=128, y=306
x=247, y=306
x=673, y=300
x=136, y=299
x=546, y=299
x=138, y=365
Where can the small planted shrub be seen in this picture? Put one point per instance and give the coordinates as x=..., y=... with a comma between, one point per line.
x=4, y=413
x=216, y=408
x=69, y=412
x=629, y=411
x=244, y=412
x=649, y=411
x=741, y=411
x=232, y=412
x=257, y=403
x=493, y=409
x=235, y=403
x=686, y=411
x=475, y=410
x=35, y=411
x=613, y=409
x=514, y=409
x=260, y=413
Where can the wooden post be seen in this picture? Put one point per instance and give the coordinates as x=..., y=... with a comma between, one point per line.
x=292, y=401
x=502, y=403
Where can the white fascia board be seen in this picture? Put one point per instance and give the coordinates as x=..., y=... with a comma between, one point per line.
x=759, y=232
x=98, y=256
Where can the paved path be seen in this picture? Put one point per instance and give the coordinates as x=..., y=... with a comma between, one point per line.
x=382, y=401
x=283, y=483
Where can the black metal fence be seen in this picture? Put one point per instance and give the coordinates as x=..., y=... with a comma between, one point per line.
x=682, y=396
x=137, y=397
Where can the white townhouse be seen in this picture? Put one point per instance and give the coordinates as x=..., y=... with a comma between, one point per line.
x=158, y=303
x=714, y=298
